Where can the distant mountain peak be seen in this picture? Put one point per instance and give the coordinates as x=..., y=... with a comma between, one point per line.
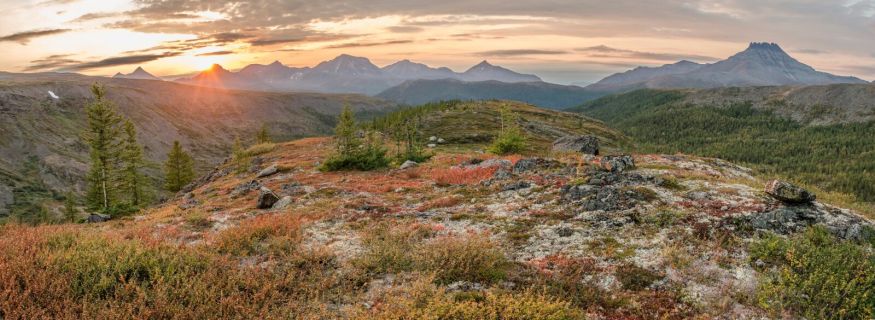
x=764, y=46
x=138, y=73
x=276, y=63
x=349, y=65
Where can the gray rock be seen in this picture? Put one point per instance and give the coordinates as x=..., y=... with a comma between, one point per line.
x=786, y=220
x=462, y=286
x=266, y=199
x=583, y=144
x=408, y=164
x=431, y=145
x=269, y=171
x=574, y=193
x=97, y=217
x=282, y=203
x=617, y=163
x=564, y=231
x=501, y=163
x=788, y=192
x=530, y=164
x=516, y=186
x=188, y=202
x=244, y=188
x=432, y=138
x=606, y=199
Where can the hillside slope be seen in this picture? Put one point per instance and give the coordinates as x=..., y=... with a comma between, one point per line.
x=464, y=235
x=542, y=94
x=41, y=155
x=784, y=131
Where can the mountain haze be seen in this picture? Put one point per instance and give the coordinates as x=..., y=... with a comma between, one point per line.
x=138, y=73
x=543, y=94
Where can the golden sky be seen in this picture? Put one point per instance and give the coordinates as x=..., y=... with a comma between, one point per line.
x=563, y=41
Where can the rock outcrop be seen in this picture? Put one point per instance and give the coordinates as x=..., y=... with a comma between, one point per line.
x=266, y=199
x=789, y=192
x=583, y=144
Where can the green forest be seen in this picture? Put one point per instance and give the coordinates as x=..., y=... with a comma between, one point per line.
x=837, y=157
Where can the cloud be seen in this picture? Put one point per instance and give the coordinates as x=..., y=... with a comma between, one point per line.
x=367, y=44
x=520, y=52
x=603, y=51
x=810, y=51
x=405, y=29
x=215, y=53
x=63, y=63
x=25, y=37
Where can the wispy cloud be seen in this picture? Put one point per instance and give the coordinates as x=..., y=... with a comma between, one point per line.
x=519, y=52
x=25, y=37
x=603, y=51
x=367, y=44
x=215, y=53
x=64, y=63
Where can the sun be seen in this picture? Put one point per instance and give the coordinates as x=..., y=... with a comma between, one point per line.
x=203, y=63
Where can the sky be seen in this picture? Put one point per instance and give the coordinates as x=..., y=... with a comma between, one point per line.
x=562, y=41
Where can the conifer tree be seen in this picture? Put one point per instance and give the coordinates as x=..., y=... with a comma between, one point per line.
x=239, y=156
x=263, y=136
x=132, y=180
x=70, y=207
x=178, y=170
x=347, y=142
x=101, y=135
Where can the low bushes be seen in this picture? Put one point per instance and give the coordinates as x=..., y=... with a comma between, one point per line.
x=816, y=276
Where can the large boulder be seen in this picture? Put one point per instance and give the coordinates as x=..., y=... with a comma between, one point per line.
x=282, y=203
x=269, y=171
x=583, y=144
x=530, y=164
x=97, y=217
x=408, y=164
x=788, y=192
x=266, y=199
x=617, y=163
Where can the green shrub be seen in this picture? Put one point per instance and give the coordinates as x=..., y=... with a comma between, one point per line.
x=426, y=301
x=260, y=148
x=816, y=276
x=510, y=139
x=473, y=258
x=370, y=157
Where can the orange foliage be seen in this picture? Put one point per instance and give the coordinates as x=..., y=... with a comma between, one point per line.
x=461, y=176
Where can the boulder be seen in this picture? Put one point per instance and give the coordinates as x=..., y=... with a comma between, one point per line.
x=788, y=192
x=529, y=164
x=500, y=163
x=786, y=220
x=408, y=164
x=266, y=199
x=244, y=188
x=269, y=171
x=97, y=217
x=282, y=203
x=617, y=163
x=516, y=186
x=583, y=144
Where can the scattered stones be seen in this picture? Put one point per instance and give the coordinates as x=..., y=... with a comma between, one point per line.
x=441, y=140
x=433, y=139
x=516, y=186
x=98, y=217
x=574, y=193
x=244, y=188
x=583, y=144
x=617, y=163
x=564, y=231
x=431, y=145
x=788, y=192
x=266, y=199
x=188, y=202
x=464, y=286
x=786, y=220
x=529, y=164
x=408, y=164
x=282, y=203
x=501, y=163
x=606, y=199
x=269, y=171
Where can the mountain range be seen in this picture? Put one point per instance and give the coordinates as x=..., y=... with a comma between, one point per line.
x=345, y=74
x=138, y=73
x=761, y=64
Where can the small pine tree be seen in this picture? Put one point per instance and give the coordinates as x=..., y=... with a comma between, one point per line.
x=132, y=180
x=347, y=142
x=70, y=210
x=510, y=138
x=239, y=157
x=263, y=136
x=178, y=170
x=101, y=135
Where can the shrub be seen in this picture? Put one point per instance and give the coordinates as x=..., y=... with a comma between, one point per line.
x=260, y=148
x=423, y=300
x=389, y=249
x=510, y=139
x=271, y=234
x=816, y=276
x=635, y=278
x=462, y=176
x=351, y=152
x=473, y=258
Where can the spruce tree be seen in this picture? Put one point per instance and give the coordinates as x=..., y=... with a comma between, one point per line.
x=132, y=180
x=239, y=157
x=178, y=170
x=347, y=142
x=101, y=135
x=263, y=136
x=70, y=207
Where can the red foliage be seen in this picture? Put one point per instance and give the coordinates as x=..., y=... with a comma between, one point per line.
x=461, y=176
